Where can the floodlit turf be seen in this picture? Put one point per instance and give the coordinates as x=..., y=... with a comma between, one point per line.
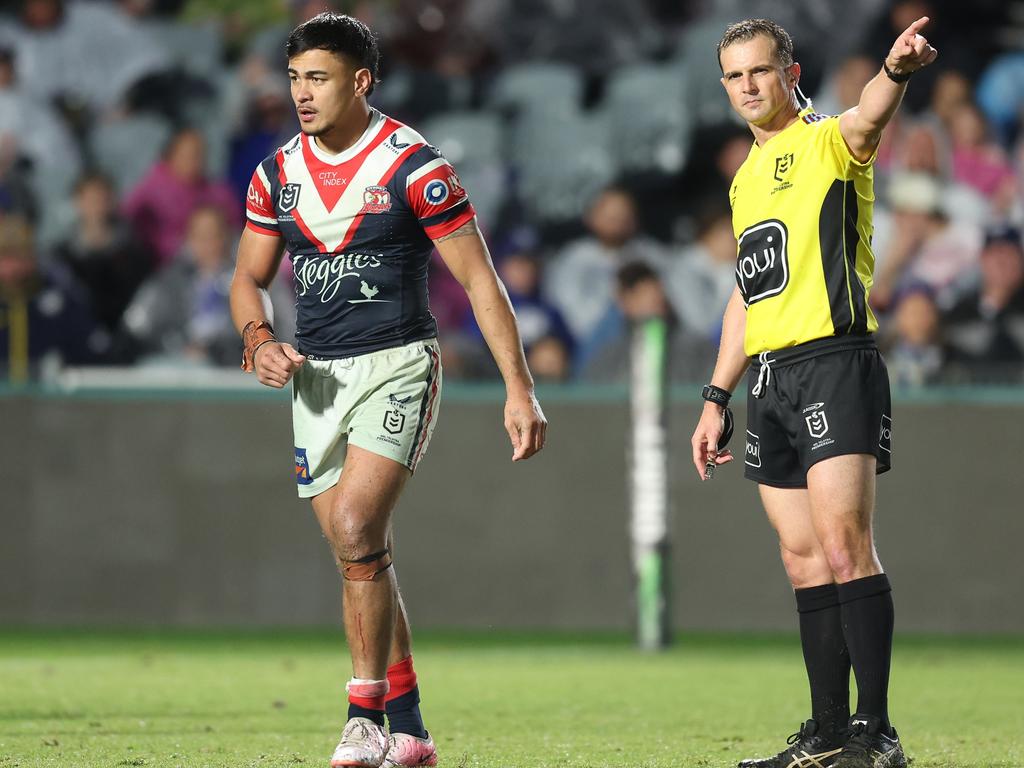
x=79, y=700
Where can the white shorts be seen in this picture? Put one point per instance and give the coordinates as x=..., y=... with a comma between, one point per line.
x=385, y=402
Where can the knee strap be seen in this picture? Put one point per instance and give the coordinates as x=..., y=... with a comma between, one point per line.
x=366, y=568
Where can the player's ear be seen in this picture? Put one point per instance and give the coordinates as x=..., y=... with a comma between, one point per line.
x=793, y=73
x=363, y=81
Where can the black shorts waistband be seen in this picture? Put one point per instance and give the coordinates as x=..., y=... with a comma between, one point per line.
x=815, y=348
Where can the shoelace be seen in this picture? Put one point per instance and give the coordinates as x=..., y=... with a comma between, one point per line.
x=859, y=743
x=794, y=738
x=764, y=375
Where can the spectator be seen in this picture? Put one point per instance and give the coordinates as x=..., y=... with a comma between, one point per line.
x=42, y=318
x=162, y=203
x=1001, y=95
x=31, y=129
x=84, y=56
x=978, y=161
x=926, y=245
x=986, y=327
x=580, y=280
x=268, y=123
x=182, y=314
x=549, y=359
x=700, y=280
x=640, y=296
x=844, y=86
x=538, y=319
x=101, y=251
x=914, y=354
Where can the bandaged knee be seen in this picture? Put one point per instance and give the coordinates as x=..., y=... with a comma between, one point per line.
x=366, y=568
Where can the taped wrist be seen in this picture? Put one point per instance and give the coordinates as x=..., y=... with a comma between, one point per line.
x=366, y=568
x=254, y=335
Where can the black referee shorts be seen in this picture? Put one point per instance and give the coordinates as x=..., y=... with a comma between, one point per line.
x=828, y=397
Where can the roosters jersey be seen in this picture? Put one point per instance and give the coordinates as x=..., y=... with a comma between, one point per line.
x=358, y=227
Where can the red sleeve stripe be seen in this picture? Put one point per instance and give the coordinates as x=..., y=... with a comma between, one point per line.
x=447, y=227
x=262, y=230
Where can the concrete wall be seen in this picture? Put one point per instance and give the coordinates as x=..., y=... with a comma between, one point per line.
x=182, y=511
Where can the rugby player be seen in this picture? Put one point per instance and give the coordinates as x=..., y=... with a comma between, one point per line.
x=819, y=424
x=360, y=201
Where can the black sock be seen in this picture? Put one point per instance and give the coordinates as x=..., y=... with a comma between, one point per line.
x=825, y=656
x=404, y=714
x=867, y=624
x=354, y=710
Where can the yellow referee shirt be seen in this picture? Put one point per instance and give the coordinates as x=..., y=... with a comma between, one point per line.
x=801, y=213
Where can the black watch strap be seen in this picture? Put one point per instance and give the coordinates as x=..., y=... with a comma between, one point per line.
x=716, y=395
x=901, y=78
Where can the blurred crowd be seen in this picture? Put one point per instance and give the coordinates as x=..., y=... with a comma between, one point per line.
x=593, y=137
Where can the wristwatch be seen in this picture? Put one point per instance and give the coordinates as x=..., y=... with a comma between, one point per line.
x=716, y=395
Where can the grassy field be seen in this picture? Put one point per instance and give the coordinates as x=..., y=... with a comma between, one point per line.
x=83, y=700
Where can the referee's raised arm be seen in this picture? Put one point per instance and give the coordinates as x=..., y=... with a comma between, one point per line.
x=862, y=125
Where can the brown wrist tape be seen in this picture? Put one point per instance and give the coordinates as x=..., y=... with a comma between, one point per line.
x=254, y=334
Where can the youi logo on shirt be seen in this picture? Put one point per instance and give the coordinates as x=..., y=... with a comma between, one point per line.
x=321, y=275
x=762, y=267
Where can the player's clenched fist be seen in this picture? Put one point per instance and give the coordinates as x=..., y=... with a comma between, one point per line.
x=276, y=362
x=911, y=51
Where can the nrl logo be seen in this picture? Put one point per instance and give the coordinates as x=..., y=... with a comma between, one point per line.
x=289, y=197
x=394, y=421
x=782, y=165
x=817, y=424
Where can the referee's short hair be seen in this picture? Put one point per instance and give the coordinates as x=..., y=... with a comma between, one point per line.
x=748, y=29
x=339, y=34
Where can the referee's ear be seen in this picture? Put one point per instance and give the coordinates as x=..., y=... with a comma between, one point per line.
x=793, y=73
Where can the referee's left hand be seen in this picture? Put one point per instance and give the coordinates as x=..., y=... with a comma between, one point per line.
x=911, y=51
x=705, y=439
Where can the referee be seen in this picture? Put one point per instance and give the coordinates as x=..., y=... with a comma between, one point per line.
x=819, y=424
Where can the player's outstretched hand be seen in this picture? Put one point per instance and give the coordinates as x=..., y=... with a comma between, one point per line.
x=526, y=426
x=276, y=362
x=705, y=439
x=911, y=50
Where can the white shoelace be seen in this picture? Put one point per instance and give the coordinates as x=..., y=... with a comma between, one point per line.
x=764, y=375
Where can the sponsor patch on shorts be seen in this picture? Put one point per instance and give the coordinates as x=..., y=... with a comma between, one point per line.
x=302, y=473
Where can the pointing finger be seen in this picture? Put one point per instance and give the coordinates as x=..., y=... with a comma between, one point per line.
x=916, y=27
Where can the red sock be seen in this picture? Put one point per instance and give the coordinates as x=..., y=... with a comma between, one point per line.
x=401, y=677
x=367, y=694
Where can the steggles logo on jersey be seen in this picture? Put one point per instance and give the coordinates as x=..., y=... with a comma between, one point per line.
x=376, y=200
x=289, y=197
x=321, y=275
x=762, y=267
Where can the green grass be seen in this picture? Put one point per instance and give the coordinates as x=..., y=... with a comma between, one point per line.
x=79, y=700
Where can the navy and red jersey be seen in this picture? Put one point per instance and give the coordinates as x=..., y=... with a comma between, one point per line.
x=359, y=227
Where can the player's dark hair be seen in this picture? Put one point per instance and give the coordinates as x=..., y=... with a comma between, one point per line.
x=748, y=29
x=340, y=34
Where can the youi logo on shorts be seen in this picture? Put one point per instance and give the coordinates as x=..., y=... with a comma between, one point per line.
x=752, y=456
x=762, y=267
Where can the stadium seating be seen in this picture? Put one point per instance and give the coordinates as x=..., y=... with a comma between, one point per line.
x=125, y=149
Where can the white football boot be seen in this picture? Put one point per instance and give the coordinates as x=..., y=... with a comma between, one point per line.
x=364, y=744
